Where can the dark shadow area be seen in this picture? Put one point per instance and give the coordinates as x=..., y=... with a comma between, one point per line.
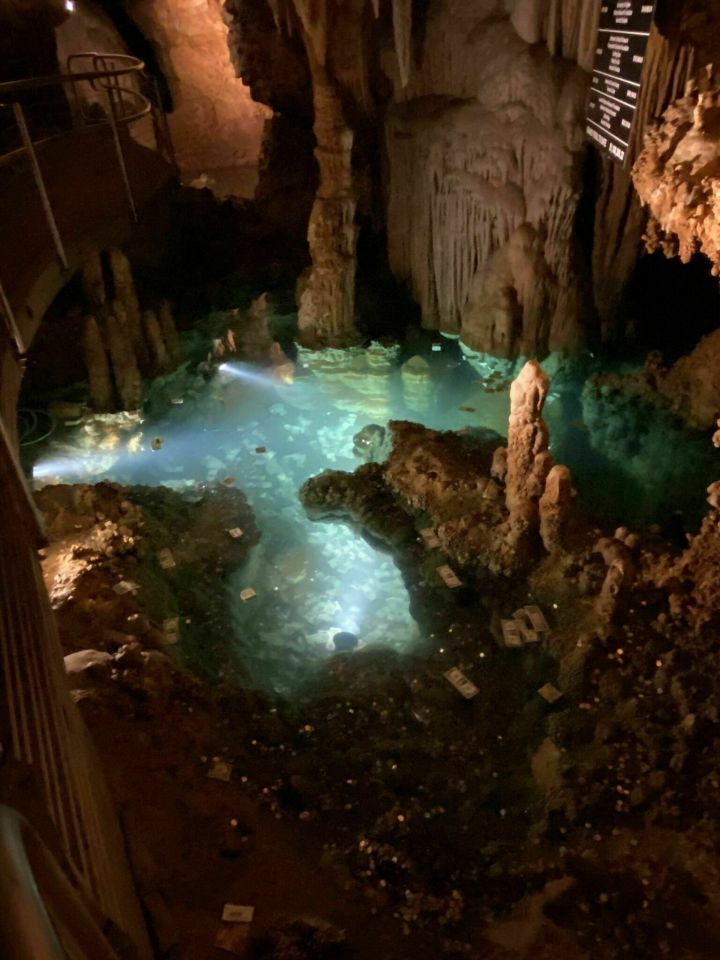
x=669, y=305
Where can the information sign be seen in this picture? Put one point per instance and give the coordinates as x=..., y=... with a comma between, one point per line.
x=623, y=33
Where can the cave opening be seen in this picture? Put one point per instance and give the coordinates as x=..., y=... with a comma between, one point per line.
x=669, y=305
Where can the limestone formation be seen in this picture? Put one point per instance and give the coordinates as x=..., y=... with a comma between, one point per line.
x=326, y=297
x=139, y=344
x=528, y=461
x=555, y=505
x=93, y=280
x=98, y=368
x=484, y=178
x=215, y=124
x=418, y=386
x=678, y=175
x=124, y=287
x=154, y=338
x=692, y=385
x=170, y=334
x=124, y=365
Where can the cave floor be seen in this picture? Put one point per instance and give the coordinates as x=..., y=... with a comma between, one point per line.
x=363, y=792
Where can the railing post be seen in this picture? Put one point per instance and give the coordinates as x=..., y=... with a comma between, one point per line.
x=40, y=183
x=11, y=322
x=119, y=151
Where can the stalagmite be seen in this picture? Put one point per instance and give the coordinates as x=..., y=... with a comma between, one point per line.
x=125, y=292
x=609, y=597
x=554, y=506
x=402, y=29
x=527, y=456
x=98, y=368
x=124, y=365
x=154, y=337
x=418, y=386
x=170, y=334
x=93, y=281
x=528, y=465
x=139, y=345
x=326, y=295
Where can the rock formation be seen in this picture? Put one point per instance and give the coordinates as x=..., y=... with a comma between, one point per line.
x=98, y=368
x=484, y=180
x=527, y=465
x=418, y=386
x=93, y=280
x=677, y=175
x=214, y=123
x=690, y=388
x=170, y=334
x=125, y=294
x=554, y=507
x=138, y=343
x=154, y=339
x=124, y=365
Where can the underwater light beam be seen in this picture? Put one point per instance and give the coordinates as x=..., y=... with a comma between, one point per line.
x=244, y=372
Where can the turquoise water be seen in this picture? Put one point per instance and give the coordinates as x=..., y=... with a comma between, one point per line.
x=314, y=579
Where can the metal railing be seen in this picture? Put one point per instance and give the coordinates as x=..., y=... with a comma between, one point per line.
x=104, y=88
x=43, y=732
x=43, y=917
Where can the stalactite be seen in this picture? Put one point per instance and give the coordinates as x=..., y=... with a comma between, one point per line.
x=570, y=29
x=154, y=337
x=170, y=334
x=376, y=8
x=98, y=368
x=313, y=15
x=402, y=29
x=465, y=185
x=124, y=366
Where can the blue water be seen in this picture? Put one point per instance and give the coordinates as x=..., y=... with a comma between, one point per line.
x=314, y=579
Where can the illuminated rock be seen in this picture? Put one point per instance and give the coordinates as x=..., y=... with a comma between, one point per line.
x=98, y=368
x=215, y=125
x=125, y=294
x=677, y=175
x=484, y=176
x=124, y=365
x=555, y=506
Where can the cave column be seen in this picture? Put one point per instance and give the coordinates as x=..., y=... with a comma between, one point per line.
x=326, y=294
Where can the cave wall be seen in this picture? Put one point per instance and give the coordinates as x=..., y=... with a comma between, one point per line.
x=215, y=123
x=508, y=228
x=485, y=147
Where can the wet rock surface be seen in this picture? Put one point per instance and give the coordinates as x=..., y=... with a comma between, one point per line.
x=566, y=810
x=145, y=566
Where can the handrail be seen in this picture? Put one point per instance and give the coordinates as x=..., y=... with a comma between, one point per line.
x=124, y=106
x=35, y=83
x=43, y=917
